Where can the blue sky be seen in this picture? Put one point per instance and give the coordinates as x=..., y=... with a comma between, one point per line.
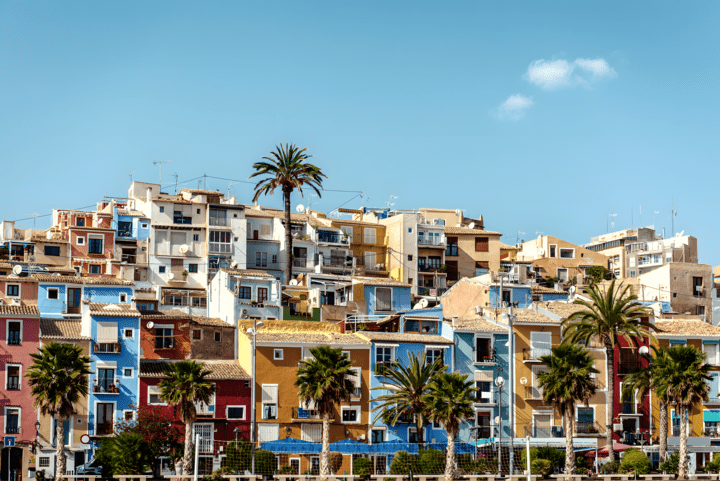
x=540, y=116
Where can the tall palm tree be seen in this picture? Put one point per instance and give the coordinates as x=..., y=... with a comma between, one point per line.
x=409, y=385
x=324, y=381
x=58, y=378
x=287, y=169
x=645, y=380
x=612, y=314
x=450, y=402
x=568, y=381
x=186, y=384
x=684, y=379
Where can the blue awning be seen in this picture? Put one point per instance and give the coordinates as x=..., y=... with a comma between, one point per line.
x=392, y=447
x=350, y=446
x=710, y=342
x=711, y=416
x=460, y=448
x=291, y=445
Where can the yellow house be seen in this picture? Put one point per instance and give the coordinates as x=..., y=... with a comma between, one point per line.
x=368, y=246
x=471, y=252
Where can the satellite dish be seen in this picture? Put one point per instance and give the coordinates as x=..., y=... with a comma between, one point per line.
x=471, y=225
x=244, y=314
x=184, y=248
x=150, y=325
x=233, y=264
x=423, y=303
x=293, y=282
x=571, y=290
x=17, y=270
x=171, y=276
x=300, y=208
x=541, y=251
x=681, y=233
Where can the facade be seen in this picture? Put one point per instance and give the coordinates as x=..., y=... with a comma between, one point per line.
x=552, y=257
x=471, y=252
x=645, y=256
x=91, y=240
x=62, y=296
x=367, y=243
x=244, y=294
x=381, y=296
x=613, y=245
x=470, y=297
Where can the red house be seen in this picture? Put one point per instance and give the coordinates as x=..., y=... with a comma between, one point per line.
x=92, y=240
x=19, y=337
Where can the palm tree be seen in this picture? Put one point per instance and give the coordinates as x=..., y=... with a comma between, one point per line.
x=186, y=385
x=612, y=314
x=409, y=386
x=324, y=381
x=684, y=378
x=645, y=380
x=450, y=402
x=288, y=170
x=58, y=378
x=568, y=381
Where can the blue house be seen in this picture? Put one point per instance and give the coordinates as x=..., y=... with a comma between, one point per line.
x=62, y=296
x=114, y=330
x=382, y=296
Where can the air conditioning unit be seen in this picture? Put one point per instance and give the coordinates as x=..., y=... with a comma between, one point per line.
x=478, y=310
x=617, y=427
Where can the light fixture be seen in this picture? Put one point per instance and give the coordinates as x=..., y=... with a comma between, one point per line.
x=499, y=381
x=644, y=350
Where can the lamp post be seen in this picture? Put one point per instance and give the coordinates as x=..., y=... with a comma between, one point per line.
x=499, y=382
x=253, y=331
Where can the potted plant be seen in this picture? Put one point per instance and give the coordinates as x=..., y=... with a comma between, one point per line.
x=185, y=274
x=253, y=302
x=443, y=268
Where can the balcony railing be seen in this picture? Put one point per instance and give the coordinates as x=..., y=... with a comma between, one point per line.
x=180, y=219
x=14, y=339
x=381, y=368
x=337, y=262
x=431, y=268
x=129, y=258
x=332, y=237
x=425, y=241
x=534, y=354
x=299, y=262
x=219, y=221
x=104, y=429
x=13, y=384
x=451, y=250
x=107, y=348
x=627, y=367
x=300, y=413
x=587, y=428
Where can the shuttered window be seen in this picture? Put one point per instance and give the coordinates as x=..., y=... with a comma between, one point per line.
x=383, y=299
x=269, y=393
x=369, y=235
x=268, y=432
x=540, y=344
x=311, y=432
x=482, y=244
x=537, y=392
x=107, y=332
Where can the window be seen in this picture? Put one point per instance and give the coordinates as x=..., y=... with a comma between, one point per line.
x=80, y=222
x=197, y=334
x=383, y=299
x=697, y=286
x=206, y=434
x=221, y=242
x=484, y=390
x=236, y=412
x=164, y=337
x=244, y=292
x=278, y=354
x=482, y=268
x=162, y=209
x=129, y=415
x=632, y=273
x=553, y=248
x=52, y=250
x=12, y=377
x=377, y=436
x=14, y=332
x=413, y=435
x=369, y=235
x=179, y=218
x=274, y=258
x=12, y=420
x=383, y=354
x=123, y=297
x=585, y=420
x=12, y=290
x=144, y=225
x=269, y=401
x=432, y=355
x=700, y=310
x=262, y=294
x=356, y=378
x=95, y=245
x=53, y=293
x=482, y=423
x=350, y=414
x=218, y=336
x=154, y=395
x=44, y=461
x=198, y=211
x=567, y=253
x=146, y=306
x=128, y=333
x=192, y=267
x=483, y=350
x=128, y=372
x=409, y=257
x=80, y=241
x=161, y=269
x=370, y=259
x=540, y=344
x=425, y=327
x=562, y=274
x=482, y=244
x=106, y=379
x=311, y=432
x=260, y=259
x=711, y=351
x=95, y=269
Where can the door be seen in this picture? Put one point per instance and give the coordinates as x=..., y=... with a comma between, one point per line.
x=11, y=464
x=104, y=419
x=543, y=426
x=79, y=458
x=73, y=301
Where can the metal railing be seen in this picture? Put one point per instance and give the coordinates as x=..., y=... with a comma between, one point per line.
x=107, y=348
x=332, y=237
x=425, y=241
x=219, y=221
x=534, y=354
x=299, y=262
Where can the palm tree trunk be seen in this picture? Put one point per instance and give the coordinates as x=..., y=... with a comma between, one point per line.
x=450, y=456
x=663, y=429
x=419, y=427
x=60, y=460
x=610, y=404
x=288, y=237
x=569, y=448
x=325, y=454
x=683, y=467
x=188, y=455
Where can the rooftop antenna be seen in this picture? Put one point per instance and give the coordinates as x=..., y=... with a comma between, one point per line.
x=131, y=173
x=654, y=214
x=160, y=163
x=309, y=201
x=362, y=205
x=35, y=216
x=673, y=214
x=612, y=218
x=176, y=178
x=537, y=232
x=517, y=239
x=230, y=185
x=391, y=198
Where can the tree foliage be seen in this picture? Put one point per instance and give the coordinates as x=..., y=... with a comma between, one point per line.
x=125, y=453
x=635, y=460
x=157, y=429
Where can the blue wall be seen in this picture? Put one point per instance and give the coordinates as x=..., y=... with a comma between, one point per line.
x=522, y=295
x=400, y=299
x=553, y=297
x=55, y=307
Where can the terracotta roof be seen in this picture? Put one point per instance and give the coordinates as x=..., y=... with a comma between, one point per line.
x=506, y=247
x=132, y=213
x=246, y=272
x=380, y=281
x=220, y=369
x=103, y=281
x=170, y=314
x=99, y=309
x=290, y=327
x=20, y=310
x=14, y=278
x=476, y=323
x=210, y=321
x=522, y=316
x=61, y=329
x=685, y=327
x=562, y=309
x=201, y=192
x=546, y=290
x=296, y=337
x=400, y=337
x=354, y=222
x=465, y=230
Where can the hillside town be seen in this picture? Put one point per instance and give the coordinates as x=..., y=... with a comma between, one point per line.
x=144, y=282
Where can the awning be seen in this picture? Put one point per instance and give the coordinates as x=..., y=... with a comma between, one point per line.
x=460, y=448
x=291, y=445
x=711, y=415
x=392, y=447
x=350, y=446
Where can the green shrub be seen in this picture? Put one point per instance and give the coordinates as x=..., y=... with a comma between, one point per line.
x=554, y=455
x=672, y=464
x=238, y=456
x=711, y=467
x=287, y=469
x=265, y=462
x=431, y=461
x=610, y=468
x=635, y=460
x=541, y=466
x=403, y=463
x=362, y=467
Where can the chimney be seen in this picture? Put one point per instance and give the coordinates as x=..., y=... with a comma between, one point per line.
x=149, y=195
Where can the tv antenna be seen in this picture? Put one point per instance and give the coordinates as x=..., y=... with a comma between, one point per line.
x=517, y=239
x=230, y=185
x=538, y=232
x=309, y=201
x=612, y=220
x=176, y=178
x=160, y=163
x=388, y=203
x=131, y=173
x=35, y=216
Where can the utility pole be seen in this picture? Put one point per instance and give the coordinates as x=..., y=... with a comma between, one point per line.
x=160, y=163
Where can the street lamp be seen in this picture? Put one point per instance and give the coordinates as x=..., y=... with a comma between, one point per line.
x=499, y=382
x=253, y=331
x=236, y=431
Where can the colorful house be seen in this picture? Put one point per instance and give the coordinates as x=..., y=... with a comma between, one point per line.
x=244, y=294
x=91, y=238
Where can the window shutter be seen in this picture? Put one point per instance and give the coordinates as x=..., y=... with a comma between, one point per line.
x=107, y=332
x=308, y=405
x=370, y=259
x=537, y=392
x=383, y=301
x=356, y=377
x=540, y=344
x=265, y=229
x=369, y=235
x=269, y=394
x=483, y=376
x=311, y=432
x=268, y=432
x=714, y=385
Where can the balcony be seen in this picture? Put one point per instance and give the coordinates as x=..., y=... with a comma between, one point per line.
x=628, y=408
x=14, y=339
x=128, y=258
x=13, y=384
x=219, y=221
x=587, y=428
x=332, y=237
x=9, y=429
x=104, y=388
x=107, y=348
x=104, y=429
x=181, y=219
x=432, y=269
x=451, y=250
x=125, y=232
x=431, y=291
x=299, y=262
x=430, y=242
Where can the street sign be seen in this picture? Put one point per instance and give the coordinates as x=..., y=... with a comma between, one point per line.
x=9, y=441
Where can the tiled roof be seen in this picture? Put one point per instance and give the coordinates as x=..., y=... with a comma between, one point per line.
x=14, y=278
x=132, y=213
x=335, y=222
x=562, y=309
x=380, y=281
x=400, y=337
x=297, y=337
x=685, y=327
x=113, y=310
x=523, y=316
x=546, y=290
x=210, y=321
x=103, y=281
x=61, y=329
x=201, y=192
x=21, y=310
x=465, y=230
x=220, y=369
x=246, y=272
x=477, y=324
x=506, y=247
x=291, y=327
x=159, y=315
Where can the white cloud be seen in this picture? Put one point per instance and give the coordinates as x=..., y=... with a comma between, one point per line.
x=554, y=74
x=514, y=107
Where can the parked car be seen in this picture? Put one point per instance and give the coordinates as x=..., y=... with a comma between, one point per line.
x=91, y=468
